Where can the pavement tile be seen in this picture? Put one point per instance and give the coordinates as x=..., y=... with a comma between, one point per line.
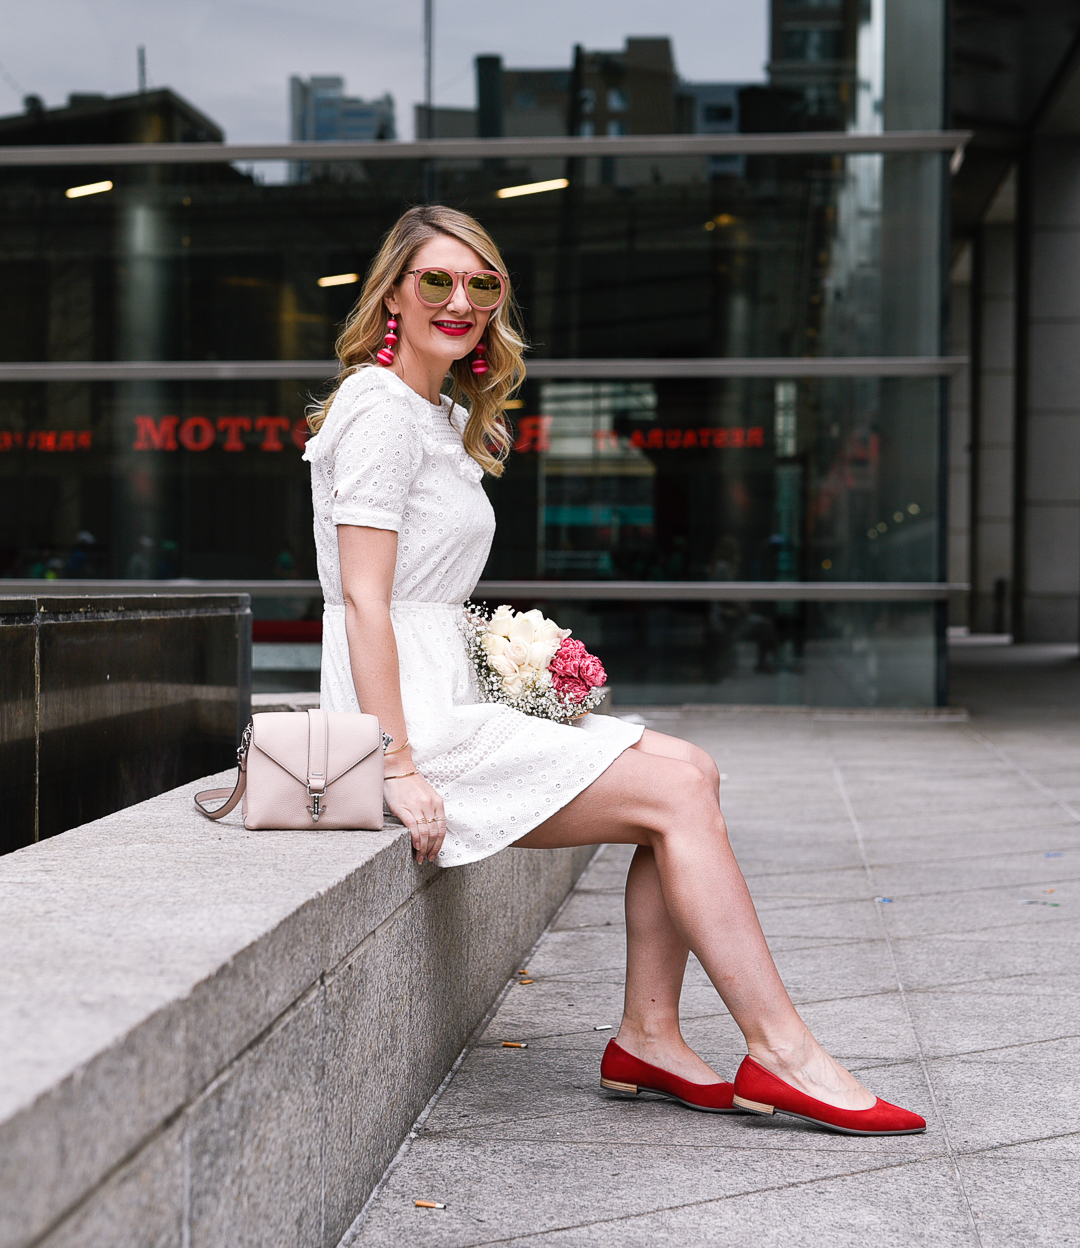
x=973, y=959
x=947, y=848
x=1026, y=1094
x=532, y=1192
x=1027, y=871
x=970, y=1018
x=1024, y=817
x=1017, y=1200
x=997, y=910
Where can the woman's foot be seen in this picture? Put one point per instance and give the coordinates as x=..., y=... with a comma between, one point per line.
x=668, y=1052
x=622, y=1072
x=804, y=1065
x=759, y=1091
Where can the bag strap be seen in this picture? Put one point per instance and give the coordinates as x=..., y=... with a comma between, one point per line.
x=318, y=751
x=213, y=795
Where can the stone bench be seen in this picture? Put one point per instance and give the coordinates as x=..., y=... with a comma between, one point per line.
x=219, y=1037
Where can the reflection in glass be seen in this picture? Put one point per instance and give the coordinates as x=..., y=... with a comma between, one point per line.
x=638, y=257
x=738, y=479
x=758, y=653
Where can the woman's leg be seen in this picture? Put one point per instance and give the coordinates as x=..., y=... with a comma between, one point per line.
x=655, y=951
x=671, y=807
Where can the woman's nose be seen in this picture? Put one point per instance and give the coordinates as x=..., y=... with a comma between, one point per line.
x=459, y=304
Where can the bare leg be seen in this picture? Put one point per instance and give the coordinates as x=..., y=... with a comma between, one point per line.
x=656, y=952
x=671, y=807
x=655, y=963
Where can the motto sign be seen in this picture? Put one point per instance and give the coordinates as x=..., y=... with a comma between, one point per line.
x=200, y=433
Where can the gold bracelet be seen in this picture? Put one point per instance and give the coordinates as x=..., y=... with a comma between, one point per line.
x=402, y=775
x=397, y=748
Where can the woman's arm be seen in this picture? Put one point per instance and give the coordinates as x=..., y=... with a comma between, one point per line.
x=367, y=560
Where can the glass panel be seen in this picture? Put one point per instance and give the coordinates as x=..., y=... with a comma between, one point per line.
x=831, y=479
x=154, y=480
x=759, y=653
x=743, y=480
x=649, y=256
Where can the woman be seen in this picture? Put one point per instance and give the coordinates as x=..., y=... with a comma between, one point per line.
x=403, y=529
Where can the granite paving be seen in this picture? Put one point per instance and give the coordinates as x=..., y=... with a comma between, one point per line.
x=918, y=879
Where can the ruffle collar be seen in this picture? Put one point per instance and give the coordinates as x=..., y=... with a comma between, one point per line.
x=452, y=449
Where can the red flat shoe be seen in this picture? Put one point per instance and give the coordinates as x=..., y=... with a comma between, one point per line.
x=622, y=1072
x=760, y=1092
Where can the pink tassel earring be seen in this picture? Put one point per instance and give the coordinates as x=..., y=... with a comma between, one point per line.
x=386, y=354
x=479, y=365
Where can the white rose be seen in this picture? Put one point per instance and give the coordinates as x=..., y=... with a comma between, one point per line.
x=518, y=650
x=550, y=631
x=494, y=644
x=506, y=667
x=521, y=630
x=540, y=654
x=537, y=619
x=513, y=685
x=502, y=620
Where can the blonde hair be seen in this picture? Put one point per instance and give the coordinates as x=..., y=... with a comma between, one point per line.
x=486, y=437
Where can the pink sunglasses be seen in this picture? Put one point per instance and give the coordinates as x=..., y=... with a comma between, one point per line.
x=484, y=289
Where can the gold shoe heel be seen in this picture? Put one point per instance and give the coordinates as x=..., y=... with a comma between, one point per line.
x=620, y=1087
x=755, y=1107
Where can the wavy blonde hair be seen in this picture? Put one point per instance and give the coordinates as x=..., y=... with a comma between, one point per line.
x=486, y=437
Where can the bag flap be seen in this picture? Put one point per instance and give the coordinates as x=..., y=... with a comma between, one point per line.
x=352, y=738
x=283, y=737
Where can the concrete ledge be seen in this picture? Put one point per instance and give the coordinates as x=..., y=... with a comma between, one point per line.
x=219, y=1037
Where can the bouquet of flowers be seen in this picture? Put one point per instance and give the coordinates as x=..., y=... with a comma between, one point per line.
x=528, y=662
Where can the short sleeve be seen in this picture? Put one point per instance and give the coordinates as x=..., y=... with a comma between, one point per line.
x=376, y=451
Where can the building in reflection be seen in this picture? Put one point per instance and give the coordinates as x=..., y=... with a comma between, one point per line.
x=738, y=371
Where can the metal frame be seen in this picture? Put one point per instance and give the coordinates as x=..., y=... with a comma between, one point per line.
x=543, y=370
x=817, y=142
x=612, y=591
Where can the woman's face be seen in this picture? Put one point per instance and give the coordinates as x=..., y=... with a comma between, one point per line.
x=448, y=333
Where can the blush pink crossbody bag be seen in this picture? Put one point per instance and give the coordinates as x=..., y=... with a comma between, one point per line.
x=305, y=769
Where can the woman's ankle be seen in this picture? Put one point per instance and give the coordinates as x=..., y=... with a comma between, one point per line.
x=790, y=1050
x=639, y=1035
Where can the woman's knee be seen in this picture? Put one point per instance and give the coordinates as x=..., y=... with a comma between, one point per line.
x=688, y=806
x=705, y=763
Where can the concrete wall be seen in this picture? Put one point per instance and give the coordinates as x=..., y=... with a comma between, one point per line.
x=214, y=1037
x=1050, y=487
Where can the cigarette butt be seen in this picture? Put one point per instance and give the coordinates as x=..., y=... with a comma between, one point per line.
x=603, y=1027
x=526, y=981
x=514, y=1044
x=523, y=971
x=428, y=1204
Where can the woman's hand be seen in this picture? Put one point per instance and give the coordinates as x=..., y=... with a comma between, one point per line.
x=418, y=807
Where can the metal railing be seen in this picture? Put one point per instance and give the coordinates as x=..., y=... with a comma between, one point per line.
x=542, y=370
x=616, y=591
x=823, y=142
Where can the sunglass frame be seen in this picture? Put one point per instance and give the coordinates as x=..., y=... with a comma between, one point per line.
x=462, y=277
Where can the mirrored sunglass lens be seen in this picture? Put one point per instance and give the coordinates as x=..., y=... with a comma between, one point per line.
x=485, y=290
x=435, y=286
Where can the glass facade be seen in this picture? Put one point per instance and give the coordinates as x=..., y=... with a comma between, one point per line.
x=735, y=378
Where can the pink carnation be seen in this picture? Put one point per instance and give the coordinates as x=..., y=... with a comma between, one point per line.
x=574, y=671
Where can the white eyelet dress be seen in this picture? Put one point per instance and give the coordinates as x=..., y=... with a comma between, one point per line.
x=385, y=458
